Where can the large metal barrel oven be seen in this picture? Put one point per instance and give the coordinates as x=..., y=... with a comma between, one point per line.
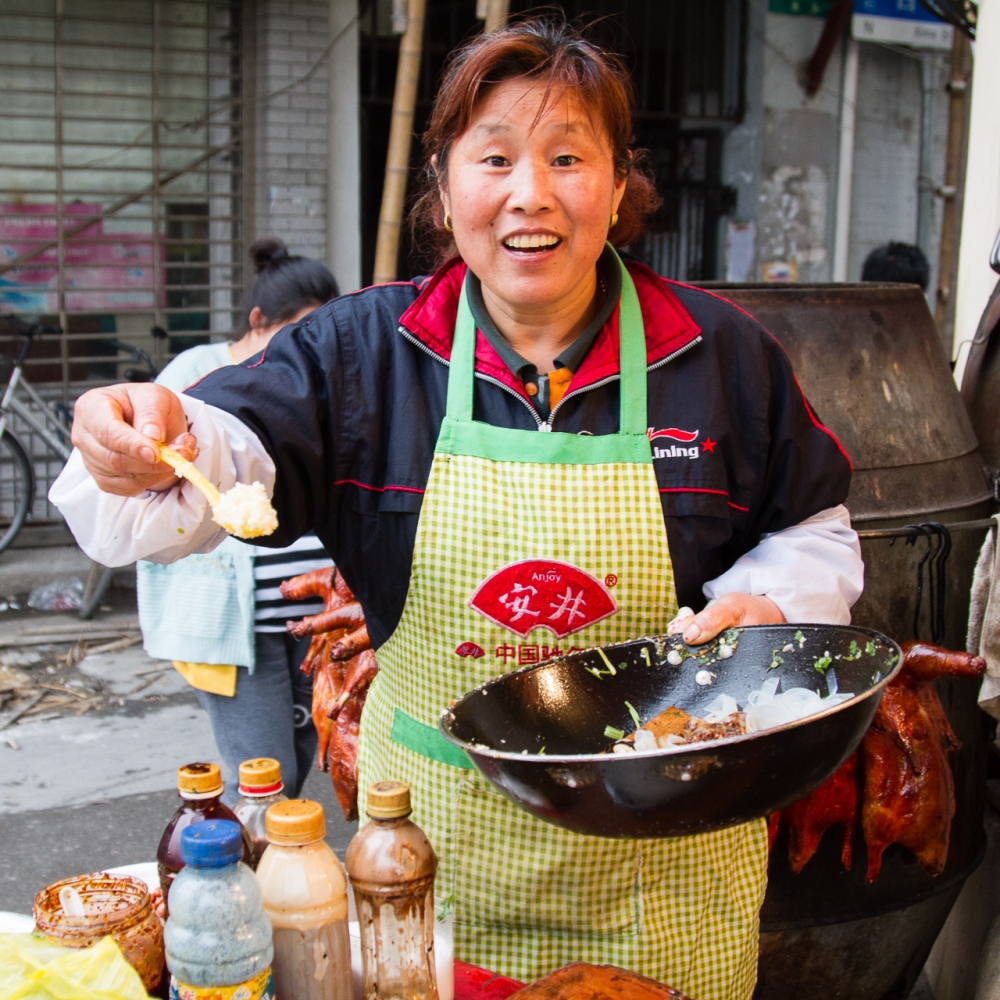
x=871, y=362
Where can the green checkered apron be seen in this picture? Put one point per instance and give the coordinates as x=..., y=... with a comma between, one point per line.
x=528, y=896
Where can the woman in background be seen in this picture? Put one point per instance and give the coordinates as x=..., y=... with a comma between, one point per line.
x=219, y=617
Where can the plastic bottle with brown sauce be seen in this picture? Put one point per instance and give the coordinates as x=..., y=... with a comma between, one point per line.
x=305, y=895
x=391, y=865
x=260, y=788
x=200, y=787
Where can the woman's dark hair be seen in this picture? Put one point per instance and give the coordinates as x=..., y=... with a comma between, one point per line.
x=547, y=49
x=897, y=262
x=285, y=283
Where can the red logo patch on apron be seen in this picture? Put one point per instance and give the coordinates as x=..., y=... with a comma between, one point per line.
x=540, y=593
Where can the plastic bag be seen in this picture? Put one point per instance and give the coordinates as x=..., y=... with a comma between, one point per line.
x=63, y=595
x=34, y=968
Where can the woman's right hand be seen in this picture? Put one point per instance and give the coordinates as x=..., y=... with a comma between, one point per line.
x=117, y=429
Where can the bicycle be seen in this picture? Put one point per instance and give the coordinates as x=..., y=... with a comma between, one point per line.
x=51, y=422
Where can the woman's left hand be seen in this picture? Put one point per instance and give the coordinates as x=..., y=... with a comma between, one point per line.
x=728, y=611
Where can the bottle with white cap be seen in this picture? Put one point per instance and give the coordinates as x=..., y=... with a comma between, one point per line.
x=260, y=788
x=305, y=895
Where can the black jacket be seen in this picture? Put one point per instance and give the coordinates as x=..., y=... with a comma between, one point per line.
x=349, y=401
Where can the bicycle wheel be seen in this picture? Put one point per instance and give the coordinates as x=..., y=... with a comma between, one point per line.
x=17, y=488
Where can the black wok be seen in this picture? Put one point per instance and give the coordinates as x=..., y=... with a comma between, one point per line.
x=537, y=733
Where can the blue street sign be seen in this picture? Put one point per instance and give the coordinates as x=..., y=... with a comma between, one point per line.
x=903, y=22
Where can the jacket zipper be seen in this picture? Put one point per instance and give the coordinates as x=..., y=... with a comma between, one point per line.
x=546, y=425
x=487, y=378
x=611, y=378
x=419, y=343
x=542, y=426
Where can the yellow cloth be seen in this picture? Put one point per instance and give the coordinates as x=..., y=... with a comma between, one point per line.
x=215, y=678
x=559, y=381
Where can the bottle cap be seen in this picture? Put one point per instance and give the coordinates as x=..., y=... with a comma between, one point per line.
x=388, y=800
x=297, y=821
x=198, y=781
x=260, y=776
x=212, y=843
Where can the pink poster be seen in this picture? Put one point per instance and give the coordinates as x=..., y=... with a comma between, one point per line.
x=105, y=272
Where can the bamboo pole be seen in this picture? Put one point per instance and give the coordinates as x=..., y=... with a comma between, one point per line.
x=496, y=14
x=397, y=160
x=958, y=92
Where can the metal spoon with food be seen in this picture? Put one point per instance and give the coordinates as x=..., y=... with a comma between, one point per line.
x=244, y=510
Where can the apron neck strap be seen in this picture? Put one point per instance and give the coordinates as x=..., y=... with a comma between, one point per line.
x=632, y=352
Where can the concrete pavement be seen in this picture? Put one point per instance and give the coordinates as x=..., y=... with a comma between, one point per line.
x=96, y=790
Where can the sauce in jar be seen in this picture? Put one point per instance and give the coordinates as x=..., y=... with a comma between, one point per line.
x=118, y=905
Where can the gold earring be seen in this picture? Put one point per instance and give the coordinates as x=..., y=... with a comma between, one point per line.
x=447, y=221
x=614, y=219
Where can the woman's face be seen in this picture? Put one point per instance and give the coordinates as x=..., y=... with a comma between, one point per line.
x=531, y=198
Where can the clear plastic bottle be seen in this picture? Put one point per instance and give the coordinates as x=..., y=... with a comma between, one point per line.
x=260, y=788
x=392, y=864
x=305, y=896
x=217, y=937
x=200, y=787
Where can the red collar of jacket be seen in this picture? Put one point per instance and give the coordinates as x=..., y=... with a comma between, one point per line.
x=669, y=327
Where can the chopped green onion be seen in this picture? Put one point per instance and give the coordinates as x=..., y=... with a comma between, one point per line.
x=822, y=663
x=645, y=655
x=776, y=661
x=613, y=734
x=634, y=714
x=611, y=668
x=540, y=752
x=870, y=648
x=800, y=638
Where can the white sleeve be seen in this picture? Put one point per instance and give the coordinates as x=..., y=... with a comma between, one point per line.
x=812, y=571
x=163, y=527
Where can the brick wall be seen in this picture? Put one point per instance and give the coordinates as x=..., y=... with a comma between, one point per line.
x=291, y=141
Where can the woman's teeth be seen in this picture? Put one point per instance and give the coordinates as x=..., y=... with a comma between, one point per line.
x=530, y=242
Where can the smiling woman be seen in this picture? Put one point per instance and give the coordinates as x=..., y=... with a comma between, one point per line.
x=402, y=423
x=554, y=55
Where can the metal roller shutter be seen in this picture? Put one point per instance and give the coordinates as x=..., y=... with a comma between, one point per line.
x=121, y=205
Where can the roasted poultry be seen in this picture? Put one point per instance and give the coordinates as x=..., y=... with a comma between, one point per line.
x=909, y=795
x=834, y=803
x=909, y=792
x=342, y=664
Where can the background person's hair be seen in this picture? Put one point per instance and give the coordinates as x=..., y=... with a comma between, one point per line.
x=897, y=262
x=550, y=50
x=285, y=283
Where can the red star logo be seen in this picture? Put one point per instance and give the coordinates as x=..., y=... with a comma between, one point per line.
x=709, y=445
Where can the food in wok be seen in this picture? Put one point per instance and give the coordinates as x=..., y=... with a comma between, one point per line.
x=765, y=708
x=541, y=734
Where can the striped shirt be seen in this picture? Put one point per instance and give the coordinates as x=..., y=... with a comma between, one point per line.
x=270, y=567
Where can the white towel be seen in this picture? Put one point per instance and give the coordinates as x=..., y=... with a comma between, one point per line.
x=984, y=621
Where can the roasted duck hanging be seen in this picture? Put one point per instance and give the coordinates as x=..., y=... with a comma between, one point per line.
x=342, y=664
x=908, y=796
